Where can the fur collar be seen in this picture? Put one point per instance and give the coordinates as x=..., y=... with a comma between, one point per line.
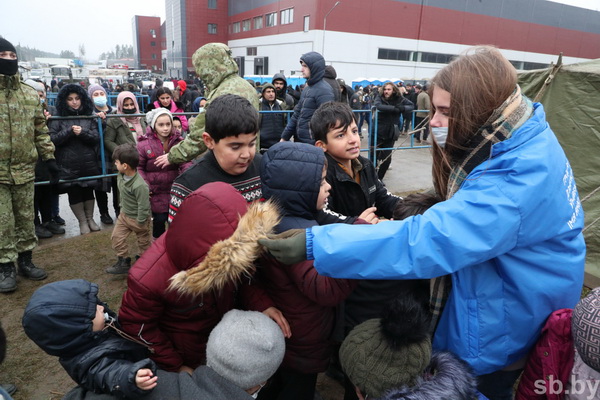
x=230, y=259
x=446, y=378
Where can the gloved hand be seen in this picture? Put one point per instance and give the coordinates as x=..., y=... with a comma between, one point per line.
x=53, y=170
x=288, y=247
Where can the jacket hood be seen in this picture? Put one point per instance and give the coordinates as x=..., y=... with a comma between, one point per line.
x=63, y=110
x=209, y=214
x=58, y=317
x=330, y=72
x=279, y=76
x=450, y=379
x=213, y=63
x=291, y=174
x=230, y=259
x=316, y=63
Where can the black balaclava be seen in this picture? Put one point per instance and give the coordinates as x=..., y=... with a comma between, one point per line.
x=8, y=67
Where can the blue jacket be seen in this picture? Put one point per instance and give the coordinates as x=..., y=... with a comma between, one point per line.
x=316, y=92
x=510, y=238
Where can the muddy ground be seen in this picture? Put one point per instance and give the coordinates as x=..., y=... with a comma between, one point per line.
x=37, y=375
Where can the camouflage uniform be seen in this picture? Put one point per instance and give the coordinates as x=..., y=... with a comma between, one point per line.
x=23, y=135
x=219, y=72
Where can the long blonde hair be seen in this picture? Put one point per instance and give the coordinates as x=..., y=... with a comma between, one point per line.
x=479, y=81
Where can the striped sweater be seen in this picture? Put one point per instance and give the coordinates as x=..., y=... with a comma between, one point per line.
x=207, y=170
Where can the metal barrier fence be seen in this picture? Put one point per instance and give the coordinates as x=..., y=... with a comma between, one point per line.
x=372, y=123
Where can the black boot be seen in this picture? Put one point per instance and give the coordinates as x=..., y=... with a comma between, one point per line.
x=42, y=232
x=120, y=267
x=8, y=277
x=28, y=269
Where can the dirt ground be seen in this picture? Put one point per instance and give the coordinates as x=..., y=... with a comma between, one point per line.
x=39, y=376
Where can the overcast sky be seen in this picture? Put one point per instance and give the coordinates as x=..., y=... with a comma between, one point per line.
x=64, y=24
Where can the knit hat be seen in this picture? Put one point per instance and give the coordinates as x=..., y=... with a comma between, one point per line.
x=5, y=45
x=38, y=86
x=153, y=115
x=585, y=326
x=93, y=88
x=387, y=353
x=245, y=348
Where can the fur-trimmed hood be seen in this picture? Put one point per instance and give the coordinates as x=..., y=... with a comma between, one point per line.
x=446, y=378
x=232, y=256
x=63, y=110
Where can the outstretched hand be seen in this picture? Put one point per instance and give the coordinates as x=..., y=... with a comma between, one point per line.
x=145, y=379
x=288, y=247
x=162, y=161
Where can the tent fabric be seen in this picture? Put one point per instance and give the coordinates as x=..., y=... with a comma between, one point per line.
x=571, y=98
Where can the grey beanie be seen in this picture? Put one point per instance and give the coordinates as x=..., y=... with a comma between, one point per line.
x=585, y=327
x=153, y=115
x=39, y=86
x=93, y=88
x=246, y=348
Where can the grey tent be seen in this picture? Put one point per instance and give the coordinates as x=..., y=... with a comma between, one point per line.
x=571, y=97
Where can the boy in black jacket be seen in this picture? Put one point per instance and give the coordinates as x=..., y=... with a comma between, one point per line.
x=66, y=319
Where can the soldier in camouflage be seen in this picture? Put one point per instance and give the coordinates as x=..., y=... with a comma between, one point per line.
x=219, y=72
x=23, y=135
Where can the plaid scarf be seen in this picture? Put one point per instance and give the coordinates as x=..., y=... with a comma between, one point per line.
x=500, y=126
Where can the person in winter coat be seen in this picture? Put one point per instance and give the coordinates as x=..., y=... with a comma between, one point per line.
x=390, y=358
x=77, y=145
x=280, y=84
x=102, y=108
x=67, y=320
x=122, y=130
x=164, y=99
x=565, y=363
x=316, y=92
x=271, y=124
x=242, y=353
x=423, y=103
x=158, y=140
x=219, y=72
x=306, y=299
x=504, y=245
x=390, y=105
x=186, y=96
x=178, y=321
x=331, y=78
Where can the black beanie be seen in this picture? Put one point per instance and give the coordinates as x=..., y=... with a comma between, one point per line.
x=8, y=67
x=5, y=45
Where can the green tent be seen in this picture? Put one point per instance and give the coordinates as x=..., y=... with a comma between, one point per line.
x=571, y=97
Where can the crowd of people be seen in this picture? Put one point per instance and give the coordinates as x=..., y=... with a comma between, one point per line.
x=438, y=295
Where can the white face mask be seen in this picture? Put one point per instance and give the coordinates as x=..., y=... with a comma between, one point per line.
x=440, y=135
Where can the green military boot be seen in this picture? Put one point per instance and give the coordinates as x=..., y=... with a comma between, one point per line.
x=28, y=269
x=120, y=267
x=8, y=277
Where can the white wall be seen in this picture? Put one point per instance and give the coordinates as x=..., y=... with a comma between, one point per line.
x=355, y=55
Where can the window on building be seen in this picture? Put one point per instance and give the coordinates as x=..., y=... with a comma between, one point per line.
x=246, y=25
x=392, y=54
x=531, y=65
x=152, y=43
x=258, y=22
x=236, y=27
x=287, y=16
x=212, y=4
x=306, y=23
x=153, y=56
x=437, y=58
x=251, y=51
x=153, y=33
x=271, y=19
x=212, y=29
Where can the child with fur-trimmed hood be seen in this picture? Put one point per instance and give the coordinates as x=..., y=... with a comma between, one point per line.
x=196, y=272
